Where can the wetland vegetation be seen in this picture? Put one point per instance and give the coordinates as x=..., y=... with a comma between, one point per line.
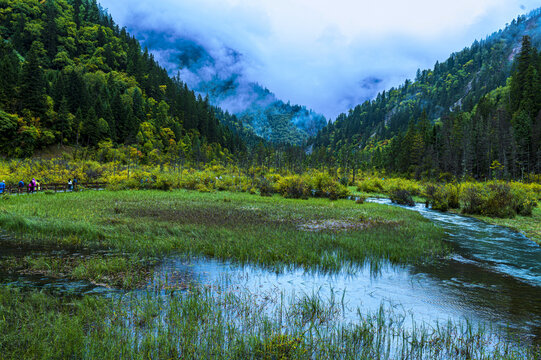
x=271, y=231
x=209, y=323
x=112, y=238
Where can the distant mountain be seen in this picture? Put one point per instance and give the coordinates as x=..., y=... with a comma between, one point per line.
x=456, y=84
x=476, y=112
x=220, y=74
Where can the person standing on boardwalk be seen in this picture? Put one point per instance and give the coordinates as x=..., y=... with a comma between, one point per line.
x=21, y=187
x=32, y=186
x=70, y=185
x=2, y=186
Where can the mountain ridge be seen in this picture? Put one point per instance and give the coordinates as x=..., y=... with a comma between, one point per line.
x=446, y=96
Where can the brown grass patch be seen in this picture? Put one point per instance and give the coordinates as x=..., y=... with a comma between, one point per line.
x=344, y=225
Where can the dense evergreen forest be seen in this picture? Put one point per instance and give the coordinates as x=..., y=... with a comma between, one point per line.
x=477, y=114
x=71, y=76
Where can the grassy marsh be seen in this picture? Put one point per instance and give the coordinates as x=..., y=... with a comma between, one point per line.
x=210, y=322
x=110, y=270
x=229, y=226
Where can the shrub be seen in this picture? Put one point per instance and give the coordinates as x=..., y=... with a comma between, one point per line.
x=265, y=187
x=293, y=187
x=370, y=185
x=497, y=199
x=323, y=185
x=523, y=201
x=360, y=200
x=442, y=197
x=402, y=197
x=202, y=188
x=319, y=181
x=163, y=184
x=453, y=195
x=435, y=198
x=392, y=185
x=472, y=198
x=335, y=191
x=344, y=180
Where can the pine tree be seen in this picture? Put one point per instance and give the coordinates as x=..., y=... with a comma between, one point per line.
x=77, y=12
x=32, y=84
x=50, y=35
x=9, y=68
x=520, y=78
x=65, y=120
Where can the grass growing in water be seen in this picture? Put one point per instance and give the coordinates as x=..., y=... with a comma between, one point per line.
x=205, y=323
x=239, y=227
x=109, y=270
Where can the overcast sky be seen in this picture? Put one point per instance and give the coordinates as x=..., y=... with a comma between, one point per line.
x=327, y=55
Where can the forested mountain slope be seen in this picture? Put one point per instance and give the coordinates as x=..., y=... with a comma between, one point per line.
x=464, y=117
x=70, y=75
x=221, y=76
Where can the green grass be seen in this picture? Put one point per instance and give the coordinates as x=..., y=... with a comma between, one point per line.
x=272, y=232
x=210, y=324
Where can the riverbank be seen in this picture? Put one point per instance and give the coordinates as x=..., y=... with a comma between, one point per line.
x=530, y=226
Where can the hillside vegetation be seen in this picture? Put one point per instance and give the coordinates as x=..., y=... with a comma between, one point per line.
x=476, y=114
x=70, y=75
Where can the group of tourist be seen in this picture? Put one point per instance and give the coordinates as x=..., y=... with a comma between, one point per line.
x=34, y=186
x=72, y=184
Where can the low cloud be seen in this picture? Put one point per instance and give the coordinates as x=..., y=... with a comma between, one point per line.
x=329, y=58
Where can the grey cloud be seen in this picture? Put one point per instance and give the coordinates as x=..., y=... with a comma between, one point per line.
x=330, y=75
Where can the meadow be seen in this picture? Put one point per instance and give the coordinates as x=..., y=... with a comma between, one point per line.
x=272, y=231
